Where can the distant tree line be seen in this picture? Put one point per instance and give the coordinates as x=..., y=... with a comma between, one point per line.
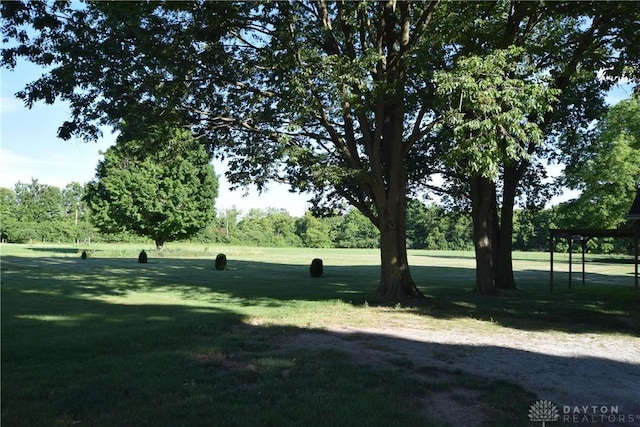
x=36, y=213
x=41, y=213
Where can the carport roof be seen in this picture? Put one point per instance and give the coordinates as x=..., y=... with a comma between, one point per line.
x=634, y=212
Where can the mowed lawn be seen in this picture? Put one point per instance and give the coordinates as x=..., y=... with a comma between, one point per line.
x=107, y=341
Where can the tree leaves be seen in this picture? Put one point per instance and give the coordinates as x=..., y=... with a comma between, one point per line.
x=495, y=104
x=608, y=171
x=163, y=187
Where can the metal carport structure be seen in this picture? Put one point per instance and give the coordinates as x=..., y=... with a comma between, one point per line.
x=583, y=236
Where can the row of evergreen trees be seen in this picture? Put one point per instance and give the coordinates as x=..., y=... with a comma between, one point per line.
x=36, y=212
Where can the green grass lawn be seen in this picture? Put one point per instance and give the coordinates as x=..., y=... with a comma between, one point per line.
x=107, y=341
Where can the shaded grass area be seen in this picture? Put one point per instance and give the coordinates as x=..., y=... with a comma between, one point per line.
x=68, y=359
x=167, y=365
x=107, y=341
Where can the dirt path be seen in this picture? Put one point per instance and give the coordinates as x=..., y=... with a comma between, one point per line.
x=568, y=369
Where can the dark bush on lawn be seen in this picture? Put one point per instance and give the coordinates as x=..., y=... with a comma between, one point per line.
x=221, y=262
x=142, y=258
x=316, y=269
x=83, y=255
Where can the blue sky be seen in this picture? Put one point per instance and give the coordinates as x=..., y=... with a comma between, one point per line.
x=30, y=149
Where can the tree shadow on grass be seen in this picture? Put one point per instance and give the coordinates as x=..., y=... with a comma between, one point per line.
x=69, y=360
x=466, y=255
x=248, y=283
x=612, y=260
x=61, y=250
x=598, y=306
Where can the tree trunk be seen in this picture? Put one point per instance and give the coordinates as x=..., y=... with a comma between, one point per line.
x=504, y=271
x=159, y=243
x=396, y=283
x=483, y=214
x=388, y=148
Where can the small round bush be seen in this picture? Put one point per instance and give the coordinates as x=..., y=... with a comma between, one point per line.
x=315, y=270
x=142, y=258
x=83, y=255
x=221, y=262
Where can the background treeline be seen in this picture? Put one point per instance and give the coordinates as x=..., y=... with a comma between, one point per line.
x=35, y=212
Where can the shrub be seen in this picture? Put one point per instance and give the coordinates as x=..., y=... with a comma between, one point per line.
x=316, y=269
x=221, y=262
x=83, y=255
x=142, y=258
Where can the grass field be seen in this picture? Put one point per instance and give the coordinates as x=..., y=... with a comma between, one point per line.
x=107, y=341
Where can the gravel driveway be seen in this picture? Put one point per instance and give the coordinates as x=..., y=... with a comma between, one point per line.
x=583, y=374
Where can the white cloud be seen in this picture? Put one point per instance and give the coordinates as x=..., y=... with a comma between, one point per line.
x=8, y=104
x=57, y=169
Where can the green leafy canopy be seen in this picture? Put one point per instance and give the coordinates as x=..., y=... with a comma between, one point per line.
x=495, y=105
x=608, y=171
x=163, y=187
